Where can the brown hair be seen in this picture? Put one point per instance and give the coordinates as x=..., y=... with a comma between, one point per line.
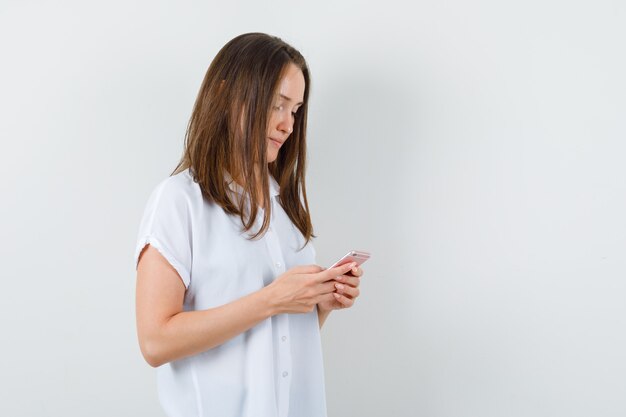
x=243, y=81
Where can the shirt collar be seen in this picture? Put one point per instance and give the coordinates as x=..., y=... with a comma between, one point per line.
x=274, y=187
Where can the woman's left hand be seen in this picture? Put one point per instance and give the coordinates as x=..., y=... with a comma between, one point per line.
x=346, y=291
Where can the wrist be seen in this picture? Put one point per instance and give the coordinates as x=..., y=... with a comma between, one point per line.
x=267, y=299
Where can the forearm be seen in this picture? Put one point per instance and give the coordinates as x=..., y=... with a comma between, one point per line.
x=322, y=315
x=191, y=332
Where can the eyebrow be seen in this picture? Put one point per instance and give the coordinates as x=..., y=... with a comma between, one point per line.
x=288, y=99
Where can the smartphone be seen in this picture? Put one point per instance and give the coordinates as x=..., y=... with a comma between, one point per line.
x=353, y=256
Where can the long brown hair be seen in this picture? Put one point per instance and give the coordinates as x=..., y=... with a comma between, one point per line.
x=228, y=131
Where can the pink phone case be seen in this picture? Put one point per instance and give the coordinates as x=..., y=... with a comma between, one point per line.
x=353, y=256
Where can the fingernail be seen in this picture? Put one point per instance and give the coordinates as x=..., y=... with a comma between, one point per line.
x=336, y=295
x=339, y=278
x=339, y=286
x=353, y=264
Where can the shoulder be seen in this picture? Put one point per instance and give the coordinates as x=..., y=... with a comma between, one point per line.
x=176, y=198
x=177, y=189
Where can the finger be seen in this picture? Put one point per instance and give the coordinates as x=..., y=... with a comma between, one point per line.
x=349, y=280
x=307, y=269
x=326, y=298
x=337, y=271
x=347, y=290
x=345, y=301
x=356, y=271
x=327, y=287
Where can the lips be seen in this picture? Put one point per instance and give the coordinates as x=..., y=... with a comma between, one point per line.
x=277, y=142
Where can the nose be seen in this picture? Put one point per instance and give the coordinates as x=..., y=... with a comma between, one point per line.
x=286, y=123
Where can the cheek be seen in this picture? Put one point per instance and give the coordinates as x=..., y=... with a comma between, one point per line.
x=271, y=154
x=272, y=122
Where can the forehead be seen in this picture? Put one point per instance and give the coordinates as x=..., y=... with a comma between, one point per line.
x=292, y=84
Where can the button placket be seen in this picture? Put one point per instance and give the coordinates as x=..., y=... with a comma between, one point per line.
x=276, y=255
x=284, y=364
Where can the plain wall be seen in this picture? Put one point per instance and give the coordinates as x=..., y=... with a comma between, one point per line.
x=475, y=148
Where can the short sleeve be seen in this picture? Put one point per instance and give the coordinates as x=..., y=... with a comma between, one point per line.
x=166, y=225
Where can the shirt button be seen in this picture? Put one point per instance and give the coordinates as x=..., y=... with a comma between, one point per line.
x=278, y=264
x=284, y=338
x=285, y=374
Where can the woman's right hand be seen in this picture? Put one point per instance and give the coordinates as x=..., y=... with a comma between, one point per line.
x=299, y=289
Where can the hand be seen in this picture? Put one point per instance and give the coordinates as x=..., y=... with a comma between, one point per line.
x=300, y=289
x=347, y=290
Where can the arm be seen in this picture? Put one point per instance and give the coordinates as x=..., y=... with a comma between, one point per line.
x=322, y=315
x=167, y=333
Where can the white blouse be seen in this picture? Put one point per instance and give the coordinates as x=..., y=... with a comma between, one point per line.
x=275, y=369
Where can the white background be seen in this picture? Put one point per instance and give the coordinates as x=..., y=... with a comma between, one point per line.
x=475, y=148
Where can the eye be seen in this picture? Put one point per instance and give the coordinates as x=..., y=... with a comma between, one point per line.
x=280, y=107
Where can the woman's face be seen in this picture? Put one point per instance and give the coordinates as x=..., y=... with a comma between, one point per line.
x=286, y=104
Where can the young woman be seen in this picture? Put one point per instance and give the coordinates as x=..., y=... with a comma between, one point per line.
x=229, y=299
